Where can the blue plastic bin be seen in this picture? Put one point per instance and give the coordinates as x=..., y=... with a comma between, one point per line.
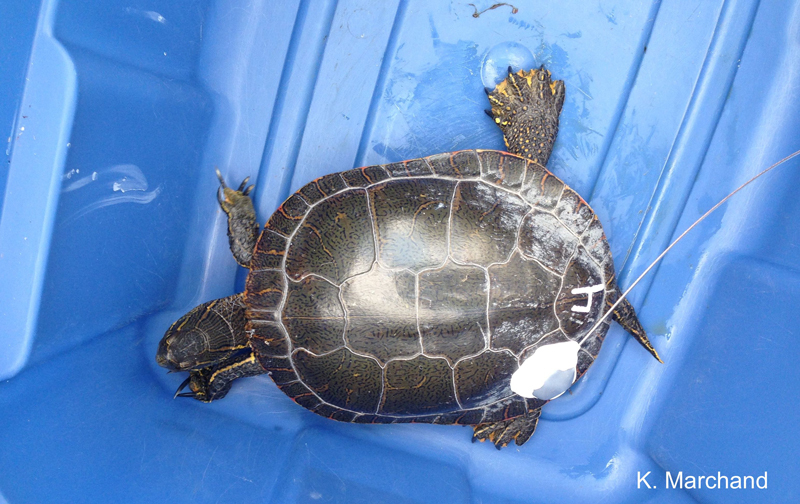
x=117, y=113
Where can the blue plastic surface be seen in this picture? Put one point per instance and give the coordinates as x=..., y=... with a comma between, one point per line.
x=118, y=112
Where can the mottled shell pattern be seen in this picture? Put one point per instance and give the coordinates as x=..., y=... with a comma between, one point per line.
x=412, y=291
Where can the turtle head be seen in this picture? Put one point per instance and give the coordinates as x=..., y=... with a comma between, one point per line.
x=207, y=335
x=182, y=350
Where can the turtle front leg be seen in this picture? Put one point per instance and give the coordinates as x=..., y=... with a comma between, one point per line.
x=526, y=106
x=242, y=225
x=519, y=430
x=212, y=383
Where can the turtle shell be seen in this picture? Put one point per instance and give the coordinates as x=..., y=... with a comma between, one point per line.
x=412, y=291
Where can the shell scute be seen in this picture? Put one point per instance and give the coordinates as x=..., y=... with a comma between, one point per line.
x=269, y=252
x=335, y=240
x=341, y=378
x=411, y=220
x=418, y=386
x=313, y=315
x=540, y=187
x=485, y=378
x=452, y=311
x=410, y=168
x=521, y=298
x=461, y=164
x=485, y=223
x=505, y=170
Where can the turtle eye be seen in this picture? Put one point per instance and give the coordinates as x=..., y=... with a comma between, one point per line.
x=548, y=373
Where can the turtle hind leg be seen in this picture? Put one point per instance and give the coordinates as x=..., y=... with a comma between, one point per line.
x=242, y=225
x=518, y=429
x=526, y=106
x=625, y=315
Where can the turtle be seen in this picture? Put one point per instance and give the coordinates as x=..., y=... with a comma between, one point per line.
x=458, y=288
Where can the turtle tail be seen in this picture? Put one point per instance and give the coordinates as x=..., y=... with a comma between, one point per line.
x=625, y=315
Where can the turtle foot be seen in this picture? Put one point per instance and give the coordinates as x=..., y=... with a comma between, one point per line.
x=214, y=382
x=526, y=106
x=201, y=388
x=242, y=225
x=518, y=429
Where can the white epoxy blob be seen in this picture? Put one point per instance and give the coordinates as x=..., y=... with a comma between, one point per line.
x=548, y=373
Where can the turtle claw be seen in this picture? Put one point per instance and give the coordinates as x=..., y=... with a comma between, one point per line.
x=225, y=189
x=246, y=192
x=510, y=71
x=489, y=113
x=198, y=385
x=183, y=386
x=487, y=91
x=501, y=433
x=219, y=176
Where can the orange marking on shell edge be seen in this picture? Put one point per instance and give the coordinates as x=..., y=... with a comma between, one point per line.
x=453, y=165
x=501, y=169
x=264, y=338
x=541, y=184
x=283, y=212
x=364, y=172
x=269, y=289
x=275, y=230
x=280, y=369
x=595, y=244
x=316, y=184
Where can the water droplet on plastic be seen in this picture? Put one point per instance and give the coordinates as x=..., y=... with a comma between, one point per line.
x=494, y=67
